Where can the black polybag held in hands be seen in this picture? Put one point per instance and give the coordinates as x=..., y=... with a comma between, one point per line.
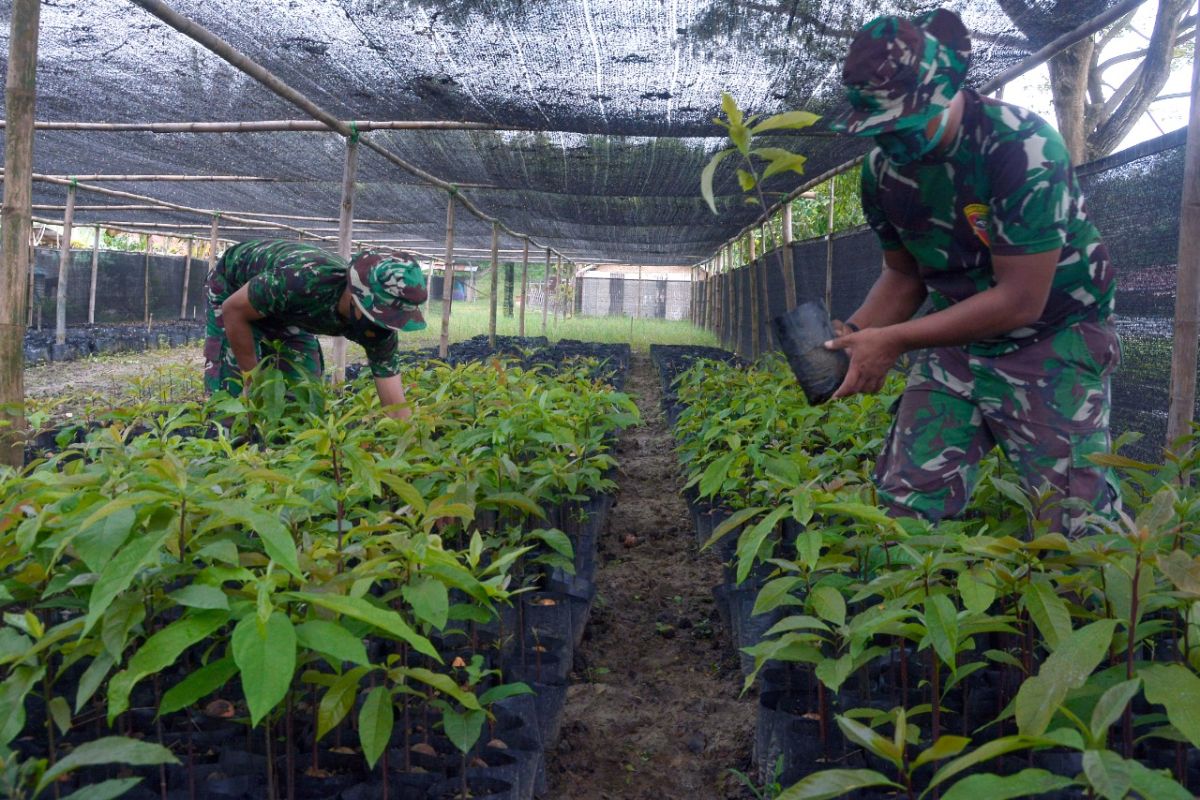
x=802, y=334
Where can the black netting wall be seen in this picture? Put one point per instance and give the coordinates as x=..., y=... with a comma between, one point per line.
x=120, y=286
x=1133, y=197
x=623, y=295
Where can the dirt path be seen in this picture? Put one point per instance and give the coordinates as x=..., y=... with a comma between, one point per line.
x=654, y=712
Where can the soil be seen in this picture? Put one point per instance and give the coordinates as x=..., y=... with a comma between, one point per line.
x=654, y=710
x=107, y=376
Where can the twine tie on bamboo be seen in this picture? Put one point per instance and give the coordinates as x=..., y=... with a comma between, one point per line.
x=355, y=134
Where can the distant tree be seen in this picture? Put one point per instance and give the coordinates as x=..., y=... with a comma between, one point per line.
x=1093, y=115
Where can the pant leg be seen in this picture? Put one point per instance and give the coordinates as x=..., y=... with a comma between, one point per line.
x=220, y=367
x=931, y=458
x=1048, y=406
x=299, y=352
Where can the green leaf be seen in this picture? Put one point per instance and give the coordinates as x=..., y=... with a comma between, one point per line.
x=521, y=502
x=442, y=683
x=105, y=790
x=780, y=160
x=714, y=475
x=375, y=722
x=384, y=619
x=789, y=119
x=706, y=177
x=776, y=593
x=1183, y=571
x=1110, y=707
x=266, y=657
x=107, y=750
x=92, y=677
x=338, y=700
x=502, y=692
x=833, y=672
x=1156, y=784
x=865, y=736
x=1107, y=773
x=1025, y=783
x=977, y=593
x=60, y=712
x=941, y=623
x=752, y=540
x=1048, y=612
x=96, y=544
x=276, y=538
x=733, y=522
x=1177, y=689
x=201, y=683
x=119, y=572
x=985, y=752
x=558, y=541
x=463, y=729
x=944, y=747
x=198, y=595
x=158, y=652
x=831, y=783
x=429, y=599
x=829, y=604
x=331, y=639
x=1067, y=668
x=746, y=180
x=12, y=700
x=730, y=107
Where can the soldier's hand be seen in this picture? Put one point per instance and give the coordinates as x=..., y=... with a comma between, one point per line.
x=873, y=352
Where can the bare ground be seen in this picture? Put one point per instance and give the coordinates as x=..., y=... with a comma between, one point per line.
x=654, y=711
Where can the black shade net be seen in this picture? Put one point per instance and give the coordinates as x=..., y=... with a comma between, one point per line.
x=615, y=99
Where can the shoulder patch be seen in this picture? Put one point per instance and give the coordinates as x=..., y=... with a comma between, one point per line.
x=979, y=217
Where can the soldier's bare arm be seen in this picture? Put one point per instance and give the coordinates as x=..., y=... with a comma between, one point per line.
x=391, y=397
x=237, y=314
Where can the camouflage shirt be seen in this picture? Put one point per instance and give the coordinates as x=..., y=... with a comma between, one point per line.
x=300, y=285
x=1006, y=186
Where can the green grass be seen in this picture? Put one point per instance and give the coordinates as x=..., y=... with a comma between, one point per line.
x=471, y=319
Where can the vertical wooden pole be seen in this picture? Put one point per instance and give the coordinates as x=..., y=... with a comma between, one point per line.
x=16, y=223
x=710, y=294
x=345, y=240
x=64, y=267
x=829, y=250
x=755, y=344
x=187, y=278
x=546, y=292
x=558, y=289
x=524, y=284
x=146, y=281
x=785, y=263
x=495, y=284
x=213, y=243
x=1187, y=295
x=92, y=286
x=447, y=281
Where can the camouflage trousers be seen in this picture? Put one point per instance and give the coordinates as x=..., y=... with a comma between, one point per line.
x=290, y=349
x=1046, y=406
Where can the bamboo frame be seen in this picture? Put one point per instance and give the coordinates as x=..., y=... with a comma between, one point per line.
x=187, y=277
x=829, y=250
x=546, y=292
x=213, y=243
x=146, y=281
x=524, y=285
x=345, y=242
x=1187, y=297
x=447, y=279
x=264, y=126
x=755, y=344
x=16, y=225
x=495, y=285
x=92, y=286
x=64, y=267
x=787, y=259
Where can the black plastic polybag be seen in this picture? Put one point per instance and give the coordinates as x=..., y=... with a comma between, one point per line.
x=802, y=334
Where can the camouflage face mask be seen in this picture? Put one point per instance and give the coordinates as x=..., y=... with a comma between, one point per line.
x=906, y=146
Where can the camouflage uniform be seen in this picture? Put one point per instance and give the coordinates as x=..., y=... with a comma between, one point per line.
x=1003, y=186
x=297, y=288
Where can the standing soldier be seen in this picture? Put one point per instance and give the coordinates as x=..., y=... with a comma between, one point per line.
x=977, y=207
x=288, y=292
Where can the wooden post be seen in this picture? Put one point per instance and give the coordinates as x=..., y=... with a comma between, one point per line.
x=345, y=240
x=213, y=243
x=524, y=283
x=546, y=292
x=15, y=223
x=829, y=250
x=447, y=280
x=755, y=344
x=558, y=289
x=1187, y=295
x=95, y=270
x=64, y=267
x=785, y=263
x=187, y=278
x=495, y=284
x=768, y=342
x=146, y=281
x=710, y=295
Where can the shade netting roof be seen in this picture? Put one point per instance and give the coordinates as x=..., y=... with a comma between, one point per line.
x=602, y=108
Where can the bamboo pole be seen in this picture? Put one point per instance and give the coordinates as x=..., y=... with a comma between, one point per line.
x=187, y=278
x=15, y=223
x=345, y=240
x=829, y=250
x=1187, y=296
x=33, y=285
x=495, y=285
x=256, y=126
x=786, y=262
x=709, y=295
x=447, y=279
x=213, y=243
x=188, y=178
x=755, y=343
x=92, y=285
x=265, y=215
x=524, y=283
x=558, y=290
x=146, y=281
x=64, y=267
x=546, y=292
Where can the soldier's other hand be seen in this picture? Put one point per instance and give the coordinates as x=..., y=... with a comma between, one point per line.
x=873, y=352
x=840, y=328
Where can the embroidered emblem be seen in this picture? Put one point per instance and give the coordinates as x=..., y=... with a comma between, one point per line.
x=979, y=217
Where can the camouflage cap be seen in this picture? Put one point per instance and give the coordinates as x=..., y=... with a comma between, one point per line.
x=388, y=291
x=901, y=72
